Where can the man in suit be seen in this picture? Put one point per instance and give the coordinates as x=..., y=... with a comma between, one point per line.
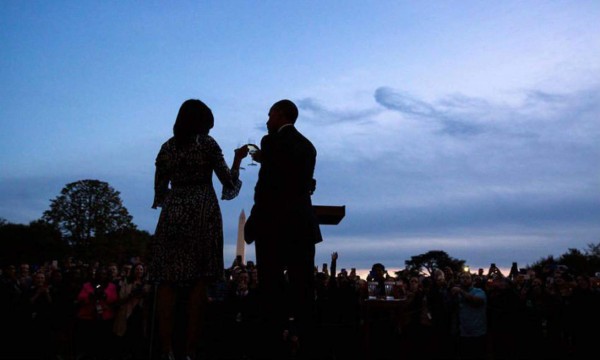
x=284, y=226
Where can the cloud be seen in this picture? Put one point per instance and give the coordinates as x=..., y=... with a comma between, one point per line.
x=399, y=101
x=449, y=114
x=458, y=115
x=317, y=113
x=521, y=174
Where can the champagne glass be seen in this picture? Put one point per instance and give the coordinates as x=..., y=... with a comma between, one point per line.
x=372, y=288
x=389, y=287
x=252, y=148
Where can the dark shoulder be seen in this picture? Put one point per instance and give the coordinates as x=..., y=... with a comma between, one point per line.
x=166, y=150
x=207, y=140
x=292, y=133
x=168, y=145
x=302, y=143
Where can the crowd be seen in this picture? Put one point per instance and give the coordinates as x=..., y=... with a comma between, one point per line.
x=75, y=310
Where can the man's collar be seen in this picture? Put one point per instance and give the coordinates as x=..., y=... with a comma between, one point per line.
x=284, y=126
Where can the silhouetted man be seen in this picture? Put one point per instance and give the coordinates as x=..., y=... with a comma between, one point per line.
x=284, y=225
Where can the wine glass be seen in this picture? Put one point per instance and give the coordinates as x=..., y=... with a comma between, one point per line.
x=389, y=287
x=372, y=288
x=252, y=148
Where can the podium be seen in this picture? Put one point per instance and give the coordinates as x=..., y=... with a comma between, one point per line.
x=329, y=214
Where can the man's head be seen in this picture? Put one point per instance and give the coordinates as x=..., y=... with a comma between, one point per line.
x=281, y=113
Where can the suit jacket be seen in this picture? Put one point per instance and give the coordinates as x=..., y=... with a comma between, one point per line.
x=282, y=197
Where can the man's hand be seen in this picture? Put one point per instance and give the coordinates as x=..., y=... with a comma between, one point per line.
x=256, y=155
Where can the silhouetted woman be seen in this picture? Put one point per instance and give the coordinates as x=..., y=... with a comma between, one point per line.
x=187, y=251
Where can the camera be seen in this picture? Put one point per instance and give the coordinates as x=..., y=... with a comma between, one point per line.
x=99, y=292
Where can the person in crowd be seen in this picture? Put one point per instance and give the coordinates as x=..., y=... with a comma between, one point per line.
x=471, y=305
x=242, y=313
x=284, y=227
x=113, y=274
x=584, y=317
x=504, y=317
x=63, y=312
x=24, y=276
x=535, y=302
x=10, y=299
x=187, y=250
x=253, y=274
x=555, y=326
x=379, y=275
x=451, y=277
x=416, y=322
x=130, y=325
x=37, y=307
x=126, y=270
x=96, y=303
x=439, y=301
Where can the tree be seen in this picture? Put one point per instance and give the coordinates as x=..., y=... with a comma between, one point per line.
x=87, y=209
x=434, y=259
x=576, y=261
x=593, y=250
x=33, y=243
x=120, y=246
x=593, y=255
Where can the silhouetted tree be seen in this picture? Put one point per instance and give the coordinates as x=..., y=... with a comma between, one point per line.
x=576, y=261
x=33, y=243
x=87, y=209
x=121, y=245
x=593, y=250
x=545, y=264
x=593, y=256
x=431, y=260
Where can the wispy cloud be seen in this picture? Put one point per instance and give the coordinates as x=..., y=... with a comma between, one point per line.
x=403, y=102
x=315, y=112
x=449, y=113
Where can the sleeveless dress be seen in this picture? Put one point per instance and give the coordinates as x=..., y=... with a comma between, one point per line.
x=188, y=241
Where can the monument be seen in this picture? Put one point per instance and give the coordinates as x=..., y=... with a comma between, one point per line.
x=240, y=249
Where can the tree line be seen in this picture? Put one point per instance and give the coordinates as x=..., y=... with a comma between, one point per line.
x=88, y=220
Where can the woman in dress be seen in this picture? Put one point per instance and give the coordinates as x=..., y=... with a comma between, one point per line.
x=187, y=250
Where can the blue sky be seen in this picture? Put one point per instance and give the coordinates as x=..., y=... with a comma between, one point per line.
x=471, y=127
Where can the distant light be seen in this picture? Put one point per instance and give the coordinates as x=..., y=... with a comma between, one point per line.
x=466, y=269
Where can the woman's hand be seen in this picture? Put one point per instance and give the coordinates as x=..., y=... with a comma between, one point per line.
x=241, y=152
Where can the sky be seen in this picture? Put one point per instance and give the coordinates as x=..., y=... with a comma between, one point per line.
x=471, y=127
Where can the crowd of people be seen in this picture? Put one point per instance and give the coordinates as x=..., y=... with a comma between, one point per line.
x=75, y=310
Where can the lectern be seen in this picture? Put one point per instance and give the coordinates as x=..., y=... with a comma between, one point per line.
x=330, y=215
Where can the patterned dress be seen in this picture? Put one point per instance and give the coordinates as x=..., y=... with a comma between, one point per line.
x=188, y=241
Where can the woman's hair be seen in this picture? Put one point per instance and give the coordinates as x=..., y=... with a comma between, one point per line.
x=194, y=118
